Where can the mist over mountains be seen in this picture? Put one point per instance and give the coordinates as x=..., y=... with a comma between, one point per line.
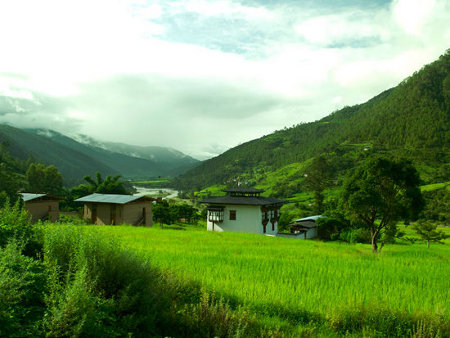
x=82, y=155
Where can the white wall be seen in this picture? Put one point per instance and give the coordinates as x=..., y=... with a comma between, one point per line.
x=248, y=219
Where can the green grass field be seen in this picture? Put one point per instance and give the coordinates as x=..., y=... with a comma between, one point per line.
x=292, y=284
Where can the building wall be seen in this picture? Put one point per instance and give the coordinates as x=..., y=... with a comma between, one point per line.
x=311, y=233
x=132, y=212
x=40, y=209
x=248, y=219
x=129, y=213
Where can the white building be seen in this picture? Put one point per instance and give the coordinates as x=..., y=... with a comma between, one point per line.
x=243, y=210
x=303, y=228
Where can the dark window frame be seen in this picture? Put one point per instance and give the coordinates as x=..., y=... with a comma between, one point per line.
x=232, y=215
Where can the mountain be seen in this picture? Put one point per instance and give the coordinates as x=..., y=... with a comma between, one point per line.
x=171, y=159
x=75, y=159
x=410, y=120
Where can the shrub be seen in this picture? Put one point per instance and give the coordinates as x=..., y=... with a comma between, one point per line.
x=16, y=226
x=22, y=286
x=355, y=235
x=104, y=277
x=328, y=228
x=213, y=317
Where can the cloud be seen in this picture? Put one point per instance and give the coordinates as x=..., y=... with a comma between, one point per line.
x=203, y=76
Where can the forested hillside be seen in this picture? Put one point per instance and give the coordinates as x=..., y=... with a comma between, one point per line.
x=74, y=159
x=410, y=120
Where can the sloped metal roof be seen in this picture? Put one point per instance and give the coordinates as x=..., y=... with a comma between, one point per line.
x=310, y=218
x=29, y=197
x=111, y=198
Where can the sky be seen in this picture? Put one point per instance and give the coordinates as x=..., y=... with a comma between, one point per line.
x=203, y=76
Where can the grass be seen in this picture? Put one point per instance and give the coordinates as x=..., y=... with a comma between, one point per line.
x=289, y=284
x=435, y=186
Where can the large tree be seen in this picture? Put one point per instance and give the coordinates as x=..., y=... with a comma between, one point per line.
x=44, y=179
x=381, y=192
x=318, y=176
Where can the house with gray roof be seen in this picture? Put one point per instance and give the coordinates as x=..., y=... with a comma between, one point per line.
x=114, y=209
x=41, y=206
x=243, y=210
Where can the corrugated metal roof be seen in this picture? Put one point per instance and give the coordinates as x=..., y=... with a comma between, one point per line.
x=241, y=200
x=29, y=197
x=310, y=218
x=109, y=198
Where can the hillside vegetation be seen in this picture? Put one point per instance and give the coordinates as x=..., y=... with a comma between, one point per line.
x=74, y=159
x=411, y=120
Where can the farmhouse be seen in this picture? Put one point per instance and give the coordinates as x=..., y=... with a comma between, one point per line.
x=243, y=210
x=105, y=209
x=42, y=206
x=305, y=228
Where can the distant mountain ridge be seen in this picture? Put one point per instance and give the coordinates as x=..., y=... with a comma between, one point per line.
x=75, y=159
x=411, y=120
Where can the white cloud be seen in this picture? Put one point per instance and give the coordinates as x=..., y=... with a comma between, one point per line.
x=188, y=66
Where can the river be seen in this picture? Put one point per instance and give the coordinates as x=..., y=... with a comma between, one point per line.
x=155, y=192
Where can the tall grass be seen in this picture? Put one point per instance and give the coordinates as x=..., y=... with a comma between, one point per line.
x=342, y=286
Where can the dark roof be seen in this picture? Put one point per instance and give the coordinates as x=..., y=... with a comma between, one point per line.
x=112, y=198
x=244, y=190
x=31, y=197
x=243, y=200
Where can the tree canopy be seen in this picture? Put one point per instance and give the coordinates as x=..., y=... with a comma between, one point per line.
x=381, y=192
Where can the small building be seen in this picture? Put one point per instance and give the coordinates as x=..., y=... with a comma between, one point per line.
x=113, y=209
x=42, y=206
x=243, y=210
x=305, y=228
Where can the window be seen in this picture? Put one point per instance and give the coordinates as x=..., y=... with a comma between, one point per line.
x=232, y=215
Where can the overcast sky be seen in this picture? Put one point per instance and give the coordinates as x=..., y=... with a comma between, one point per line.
x=203, y=76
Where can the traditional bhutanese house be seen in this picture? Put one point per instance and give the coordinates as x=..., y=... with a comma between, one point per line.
x=42, y=206
x=243, y=210
x=305, y=228
x=106, y=209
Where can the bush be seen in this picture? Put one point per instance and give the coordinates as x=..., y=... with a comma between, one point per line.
x=22, y=287
x=328, y=228
x=16, y=226
x=124, y=290
x=355, y=235
x=213, y=317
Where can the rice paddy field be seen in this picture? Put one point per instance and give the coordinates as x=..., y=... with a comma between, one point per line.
x=292, y=285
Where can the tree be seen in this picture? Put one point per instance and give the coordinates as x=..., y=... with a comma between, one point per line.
x=427, y=230
x=110, y=185
x=318, y=177
x=381, y=192
x=43, y=179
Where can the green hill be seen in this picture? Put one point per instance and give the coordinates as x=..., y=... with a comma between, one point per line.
x=75, y=159
x=410, y=120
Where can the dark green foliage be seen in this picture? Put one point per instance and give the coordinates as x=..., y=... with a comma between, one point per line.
x=437, y=207
x=44, y=179
x=109, y=185
x=411, y=120
x=22, y=285
x=329, y=228
x=11, y=176
x=427, y=230
x=16, y=227
x=213, y=317
x=381, y=192
x=117, y=291
x=354, y=235
x=318, y=177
